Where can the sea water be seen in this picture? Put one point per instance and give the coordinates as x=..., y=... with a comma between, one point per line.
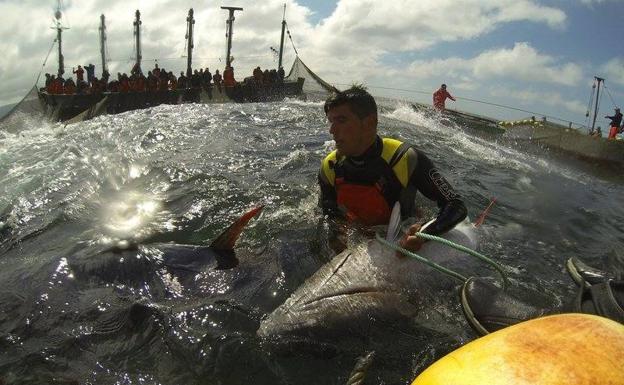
x=70, y=313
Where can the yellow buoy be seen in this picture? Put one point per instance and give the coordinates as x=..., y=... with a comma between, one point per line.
x=570, y=349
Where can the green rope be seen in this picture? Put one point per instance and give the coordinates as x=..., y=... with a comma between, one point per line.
x=421, y=259
x=450, y=244
x=466, y=250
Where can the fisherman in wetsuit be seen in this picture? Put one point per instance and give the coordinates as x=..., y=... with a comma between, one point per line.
x=363, y=178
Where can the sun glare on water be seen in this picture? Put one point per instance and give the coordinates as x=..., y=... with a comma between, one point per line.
x=130, y=215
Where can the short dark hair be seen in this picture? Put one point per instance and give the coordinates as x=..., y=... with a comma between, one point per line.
x=359, y=100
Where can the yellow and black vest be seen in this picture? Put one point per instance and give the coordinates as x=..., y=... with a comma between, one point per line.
x=367, y=192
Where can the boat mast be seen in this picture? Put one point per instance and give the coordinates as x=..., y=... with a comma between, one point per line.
x=189, y=55
x=281, y=50
x=103, y=43
x=137, y=34
x=229, y=32
x=599, y=80
x=59, y=38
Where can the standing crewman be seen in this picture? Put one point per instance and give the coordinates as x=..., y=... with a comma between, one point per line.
x=615, y=123
x=90, y=73
x=79, y=74
x=439, y=97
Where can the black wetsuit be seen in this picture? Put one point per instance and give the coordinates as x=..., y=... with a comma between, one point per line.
x=615, y=119
x=423, y=177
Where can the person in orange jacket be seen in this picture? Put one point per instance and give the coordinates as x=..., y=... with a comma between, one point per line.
x=228, y=77
x=439, y=97
x=616, y=119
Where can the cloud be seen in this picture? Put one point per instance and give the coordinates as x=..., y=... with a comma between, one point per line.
x=613, y=70
x=403, y=25
x=541, y=98
x=352, y=42
x=522, y=62
x=592, y=2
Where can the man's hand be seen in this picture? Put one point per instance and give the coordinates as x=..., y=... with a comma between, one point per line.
x=410, y=241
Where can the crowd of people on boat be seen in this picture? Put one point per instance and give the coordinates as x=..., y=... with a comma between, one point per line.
x=157, y=80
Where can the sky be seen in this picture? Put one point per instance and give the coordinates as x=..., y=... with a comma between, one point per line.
x=539, y=56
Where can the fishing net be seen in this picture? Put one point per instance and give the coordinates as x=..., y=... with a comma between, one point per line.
x=28, y=108
x=313, y=84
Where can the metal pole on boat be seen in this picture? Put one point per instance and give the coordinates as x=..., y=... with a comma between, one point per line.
x=137, y=34
x=61, y=64
x=189, y=55
x=229, y=32
x=596, y=105
x=281, y=50
x=103, y=43
x=59, y=37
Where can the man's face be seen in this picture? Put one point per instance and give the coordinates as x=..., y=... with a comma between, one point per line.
x=351, y=134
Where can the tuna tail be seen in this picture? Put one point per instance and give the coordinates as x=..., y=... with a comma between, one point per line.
x=224, y=244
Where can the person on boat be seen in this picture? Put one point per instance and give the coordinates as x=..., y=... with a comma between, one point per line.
x=207, y=78
x=216, y=79
x=228, y=77
x=90, y=72
x=48, y=80
x=173, y=82
x=206, y=82
x=97, y=86
x=182, y=81
x=152, y=82
x=163, y=81
x=113, y=86
x=56, y=85
x=281, y=74
x=274, y=76
x=266, y=77
x=70, y=87
x=49, y=88
x=79, y=73
x=82, y=87
x=140, y=83
x=367, y=174
x=196, y=80
x=124, y=84
x=257, y=75
x=615, y=123
x=440, y=96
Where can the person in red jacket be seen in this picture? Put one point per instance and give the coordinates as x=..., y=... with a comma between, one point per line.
x=79, y=73
x=439, y=97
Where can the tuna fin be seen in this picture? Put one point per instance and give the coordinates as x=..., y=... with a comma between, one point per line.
x=224, y=244
x=394, y=224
